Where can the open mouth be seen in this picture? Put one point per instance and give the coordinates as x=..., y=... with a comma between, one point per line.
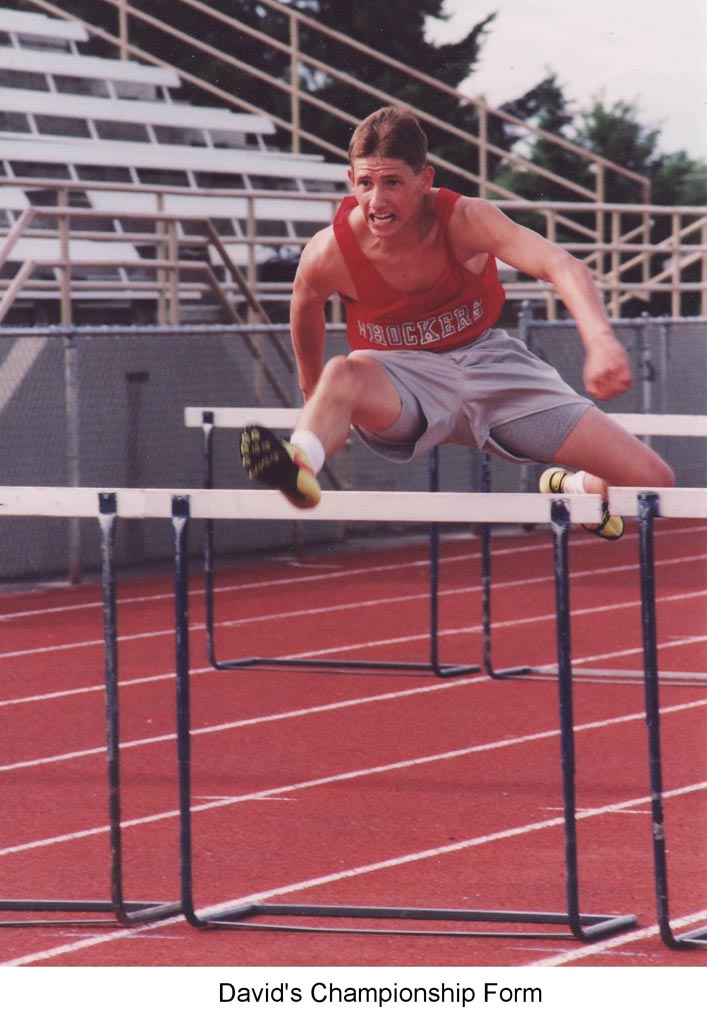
x=386, y=218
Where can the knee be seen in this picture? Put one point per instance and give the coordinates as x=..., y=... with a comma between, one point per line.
x=336, y=378
x=344, y=376
x=660, y=474
x=666, y=477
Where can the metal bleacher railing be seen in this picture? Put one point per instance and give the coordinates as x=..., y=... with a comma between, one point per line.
x=130, y=220
x=127, y=148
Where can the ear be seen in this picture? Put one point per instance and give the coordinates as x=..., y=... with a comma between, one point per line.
x=350, y=175
x=427, y=177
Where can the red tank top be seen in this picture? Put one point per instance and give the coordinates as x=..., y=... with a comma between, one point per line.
x=456, y=310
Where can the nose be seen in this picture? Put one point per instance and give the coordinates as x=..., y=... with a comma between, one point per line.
x=377, y=197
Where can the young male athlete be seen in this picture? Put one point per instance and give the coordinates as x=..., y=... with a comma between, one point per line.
x=415, y=267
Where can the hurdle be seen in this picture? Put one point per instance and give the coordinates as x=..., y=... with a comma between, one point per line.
x=401, y=507
x=689, y=503
x=75, y=502
x=361, y=506
x=643, y=424
x=208, y=419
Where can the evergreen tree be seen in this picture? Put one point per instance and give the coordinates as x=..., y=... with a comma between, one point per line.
x=396, y=31
x=544, y=107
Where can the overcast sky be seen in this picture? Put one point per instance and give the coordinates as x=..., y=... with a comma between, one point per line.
x=649, y=52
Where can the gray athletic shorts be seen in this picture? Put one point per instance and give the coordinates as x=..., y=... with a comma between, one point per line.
x=493, y=395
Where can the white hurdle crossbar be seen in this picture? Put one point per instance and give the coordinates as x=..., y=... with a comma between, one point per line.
x=658, y=424
x=353, y=506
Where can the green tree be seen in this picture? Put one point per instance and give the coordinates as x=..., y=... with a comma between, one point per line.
x=397, y=31
x=544, y=107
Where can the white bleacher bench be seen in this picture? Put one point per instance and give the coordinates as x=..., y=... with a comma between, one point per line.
x=79, y=66
x=265, y=208
x=168, y=157
x=82, y=250
x=182, y=115
x=39, y=25
x=12, y=198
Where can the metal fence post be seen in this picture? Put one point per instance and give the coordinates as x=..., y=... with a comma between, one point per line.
x=73, y=455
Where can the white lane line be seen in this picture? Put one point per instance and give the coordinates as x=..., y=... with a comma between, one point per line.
x=245, y=722
x=348, y=606
x=279, y=582
x=345, y=776
x=597, y=948
x=393, y=862
x=100, y=688
x=303, y=577
x=167, y=737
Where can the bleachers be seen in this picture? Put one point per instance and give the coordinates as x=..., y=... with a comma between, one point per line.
x=119, y=126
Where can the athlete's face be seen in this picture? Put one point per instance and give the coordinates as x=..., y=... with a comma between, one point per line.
x=389, y=192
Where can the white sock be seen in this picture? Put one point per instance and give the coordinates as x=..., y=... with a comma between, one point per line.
x=312, y=447
x=574, y=483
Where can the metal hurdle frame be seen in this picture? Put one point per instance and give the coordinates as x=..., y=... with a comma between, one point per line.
x=648, y=507
x=583, y=927
x=645, y=424
x=124, y=912
x=108, y=506
x=208, y=419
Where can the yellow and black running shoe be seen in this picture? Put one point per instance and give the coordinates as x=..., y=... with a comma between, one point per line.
x=552, y=482
x=277, y=463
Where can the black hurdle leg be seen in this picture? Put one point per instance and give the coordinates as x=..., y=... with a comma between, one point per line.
x=506, y=673
x=608, y=924
x=647, y=511
x=207, y=428
x=126, y=913
x=440, y=670
x=180, y=527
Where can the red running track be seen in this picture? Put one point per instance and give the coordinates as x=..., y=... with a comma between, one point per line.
x=343, y=788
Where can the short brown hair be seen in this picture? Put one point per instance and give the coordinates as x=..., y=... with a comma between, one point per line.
x=392, y=132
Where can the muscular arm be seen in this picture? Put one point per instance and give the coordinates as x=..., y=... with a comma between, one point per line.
x=314, y=283
x=481, y=227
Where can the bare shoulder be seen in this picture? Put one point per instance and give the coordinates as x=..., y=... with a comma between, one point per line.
x=477, y=226
x=321, y=269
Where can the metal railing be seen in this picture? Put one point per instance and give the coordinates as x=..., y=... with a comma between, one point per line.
x=672, y=262
x=303, y=66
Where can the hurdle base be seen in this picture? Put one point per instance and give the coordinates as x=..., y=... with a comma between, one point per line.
x=585, y=927
x=696, y=939
x=443, y=671
x=128, y=914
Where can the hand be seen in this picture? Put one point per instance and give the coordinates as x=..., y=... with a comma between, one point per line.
x=607, y=371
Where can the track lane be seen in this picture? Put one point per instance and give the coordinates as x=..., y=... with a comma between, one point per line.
x=269, y=690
